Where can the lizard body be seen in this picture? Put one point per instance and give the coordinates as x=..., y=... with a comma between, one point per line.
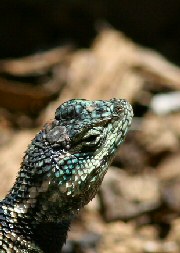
x=61, y=172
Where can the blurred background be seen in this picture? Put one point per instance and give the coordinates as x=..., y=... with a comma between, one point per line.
x=52, y=51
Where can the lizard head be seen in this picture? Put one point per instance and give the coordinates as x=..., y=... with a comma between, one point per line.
x=84, y=136
x=66, y=162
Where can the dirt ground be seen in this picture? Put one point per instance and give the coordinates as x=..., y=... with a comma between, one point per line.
x=137, y=208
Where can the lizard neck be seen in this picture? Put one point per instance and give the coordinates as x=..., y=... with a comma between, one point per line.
x=36, y=212
x=42, y=238
x=37, y=203
x=47, y=229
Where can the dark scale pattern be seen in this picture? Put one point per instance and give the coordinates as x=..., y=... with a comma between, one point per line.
x=61, y=172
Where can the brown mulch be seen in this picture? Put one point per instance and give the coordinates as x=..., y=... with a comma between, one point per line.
x=137, y=208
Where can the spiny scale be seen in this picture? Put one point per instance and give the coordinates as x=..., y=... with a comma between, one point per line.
x=61, y=172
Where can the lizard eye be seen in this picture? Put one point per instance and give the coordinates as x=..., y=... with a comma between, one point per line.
x=91, y=138
x=90, y=143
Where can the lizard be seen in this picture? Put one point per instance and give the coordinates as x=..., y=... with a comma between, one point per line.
x=61, y=172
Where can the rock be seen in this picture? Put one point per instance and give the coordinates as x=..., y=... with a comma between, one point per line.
x=169, y=168
x=165, y=103
x=168, y=172
x=84, y=244
x=124, y=196
x=131, y=148
x=157, y=135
